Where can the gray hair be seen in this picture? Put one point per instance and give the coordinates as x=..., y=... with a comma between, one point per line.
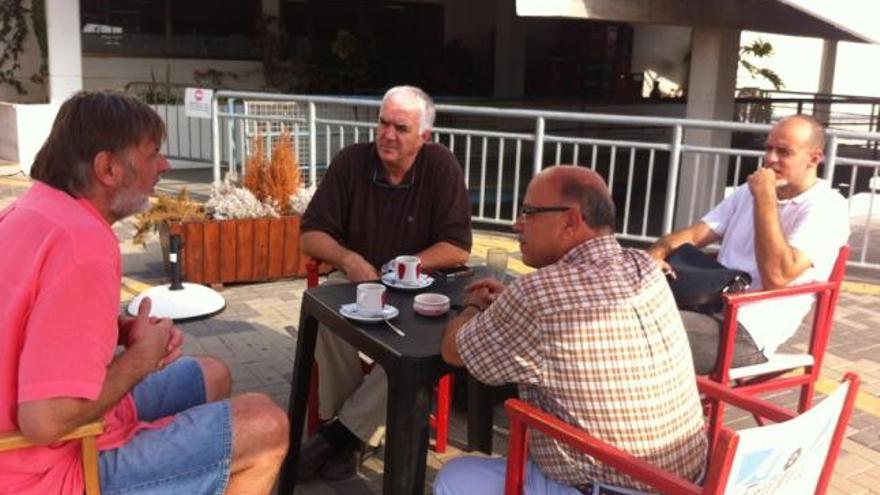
x=426, y=122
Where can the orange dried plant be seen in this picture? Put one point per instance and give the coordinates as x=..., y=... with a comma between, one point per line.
x=256, y=168
x=284, y=177
x=276, y=181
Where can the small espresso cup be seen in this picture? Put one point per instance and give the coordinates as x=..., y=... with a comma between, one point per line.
x=408, y=269
x=370, y=299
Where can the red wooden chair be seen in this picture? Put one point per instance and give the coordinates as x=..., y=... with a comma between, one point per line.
x=443, y=396
x=795, y=455
x=782, y=370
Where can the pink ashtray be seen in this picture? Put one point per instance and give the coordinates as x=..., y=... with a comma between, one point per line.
x=431, y=304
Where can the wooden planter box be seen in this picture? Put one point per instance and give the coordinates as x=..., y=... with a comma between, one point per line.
x=245, y=250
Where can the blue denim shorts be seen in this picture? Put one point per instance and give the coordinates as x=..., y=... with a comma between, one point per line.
x=191, y=455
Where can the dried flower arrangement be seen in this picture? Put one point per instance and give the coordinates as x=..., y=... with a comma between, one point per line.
x=231, y=201
x=166, y=209
x=274, y=182
x=300, y=200
x=271, y=188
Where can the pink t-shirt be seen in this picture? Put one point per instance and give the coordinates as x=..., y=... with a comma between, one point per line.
x=59, y=301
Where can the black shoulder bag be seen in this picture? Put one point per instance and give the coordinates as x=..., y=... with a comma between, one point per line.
x=700, y=280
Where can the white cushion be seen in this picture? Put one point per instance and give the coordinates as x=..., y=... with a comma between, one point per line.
x=775, y=362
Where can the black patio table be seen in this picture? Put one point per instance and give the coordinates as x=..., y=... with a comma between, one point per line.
x=412, y=363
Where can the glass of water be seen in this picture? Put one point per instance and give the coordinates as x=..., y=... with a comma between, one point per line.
x=496, y=263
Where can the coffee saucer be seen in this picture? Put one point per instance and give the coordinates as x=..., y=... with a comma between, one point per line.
x=350, y=311
x=390, y=280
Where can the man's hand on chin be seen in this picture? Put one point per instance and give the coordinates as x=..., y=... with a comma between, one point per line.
x=763, y=182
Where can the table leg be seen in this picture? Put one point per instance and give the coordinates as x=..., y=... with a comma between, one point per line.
x=406, y=440
x=479, y=416
x=299, y=394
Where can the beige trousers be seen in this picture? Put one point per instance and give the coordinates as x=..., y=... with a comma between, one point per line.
x=344, y=391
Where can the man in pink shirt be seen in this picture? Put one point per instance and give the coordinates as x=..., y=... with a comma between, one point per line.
x=170, y=426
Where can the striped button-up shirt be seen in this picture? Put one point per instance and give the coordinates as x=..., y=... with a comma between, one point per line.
x=596, y=340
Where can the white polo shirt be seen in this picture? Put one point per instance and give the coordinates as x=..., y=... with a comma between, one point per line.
x=815, y=222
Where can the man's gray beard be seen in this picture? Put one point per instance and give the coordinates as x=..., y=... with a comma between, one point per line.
x=127, y=203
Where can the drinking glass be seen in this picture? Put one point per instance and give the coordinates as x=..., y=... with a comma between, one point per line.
x=496, y=263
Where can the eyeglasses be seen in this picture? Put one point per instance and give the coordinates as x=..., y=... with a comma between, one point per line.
x=387, y=185
x=528, y=210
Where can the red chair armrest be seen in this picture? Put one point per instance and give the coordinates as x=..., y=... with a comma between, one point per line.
x=522, y=413
x=715, y=391
x=740, y=298
x=733, y=302
x=312, y=267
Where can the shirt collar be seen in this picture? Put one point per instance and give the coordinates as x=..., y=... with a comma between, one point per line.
x=592, y=250
x=42, y=190
x=377, y=170
x=820, y=187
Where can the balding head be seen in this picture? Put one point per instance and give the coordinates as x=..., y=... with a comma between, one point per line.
x=564, y=207
x=806, y=128
x=586, y=190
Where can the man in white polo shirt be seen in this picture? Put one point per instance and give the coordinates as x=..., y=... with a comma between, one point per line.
x=784, y=227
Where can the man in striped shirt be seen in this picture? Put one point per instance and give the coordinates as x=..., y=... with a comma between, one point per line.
x=593, y=337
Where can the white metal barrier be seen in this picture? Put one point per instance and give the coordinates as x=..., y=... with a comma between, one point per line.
x=645, y=160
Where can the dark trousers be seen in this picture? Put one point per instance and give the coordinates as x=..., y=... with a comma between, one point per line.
x=704, y=334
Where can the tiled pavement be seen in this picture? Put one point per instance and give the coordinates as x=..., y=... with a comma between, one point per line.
x=256, y=336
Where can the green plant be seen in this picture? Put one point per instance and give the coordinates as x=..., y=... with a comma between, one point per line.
x=281, y=72
x=13, y=32
x=212, y=78
x=156, y=93
x=759, y=49
x=354, y=62
x=38, y=20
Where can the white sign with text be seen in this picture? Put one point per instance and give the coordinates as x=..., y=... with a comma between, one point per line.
x=197, y=102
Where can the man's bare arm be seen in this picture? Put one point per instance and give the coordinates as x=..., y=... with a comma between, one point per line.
x=698, y=234
x=45, y=421
x=442, y=255
x=778, y=262
x=322, y=246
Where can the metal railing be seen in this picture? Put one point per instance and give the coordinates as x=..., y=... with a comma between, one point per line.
x=657, y=181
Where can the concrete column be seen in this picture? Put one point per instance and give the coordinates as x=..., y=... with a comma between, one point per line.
x=65, y=78
x=822, y=111
x=510, y=51
x=65, y=49
x=710, y=95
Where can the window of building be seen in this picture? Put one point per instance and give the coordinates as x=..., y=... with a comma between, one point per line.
x=165, y=28
x=363, y=47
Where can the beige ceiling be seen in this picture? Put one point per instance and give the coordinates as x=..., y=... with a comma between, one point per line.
x=848, y=20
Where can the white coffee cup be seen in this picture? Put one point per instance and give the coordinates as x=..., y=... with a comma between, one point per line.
x=408, y=269
x=370, y=299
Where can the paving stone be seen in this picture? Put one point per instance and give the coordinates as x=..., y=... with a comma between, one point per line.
x=869, y=437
